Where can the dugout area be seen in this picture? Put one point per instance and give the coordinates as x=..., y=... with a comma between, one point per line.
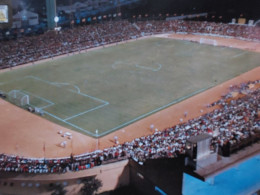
x=109, y=88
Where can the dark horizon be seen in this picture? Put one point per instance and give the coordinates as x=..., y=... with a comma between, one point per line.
x=232, y=8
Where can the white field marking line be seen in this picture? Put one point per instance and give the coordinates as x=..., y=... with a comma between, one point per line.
x=153, y=111
x=51, y=83
x=18, y=91
x=240, y=54
x=91, y=97
x=71, y=124
x=90, y=110
x=116, y=63
x=149, y=68
x=54, y=116
x=43, y=107
x=28, y=93
x=104, y=103
x=75, y=86
x=41, y=98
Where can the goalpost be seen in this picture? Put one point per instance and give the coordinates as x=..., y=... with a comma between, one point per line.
x=208, y=41
x=19, y=98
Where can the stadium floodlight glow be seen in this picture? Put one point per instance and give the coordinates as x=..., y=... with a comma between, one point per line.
x=56, y=19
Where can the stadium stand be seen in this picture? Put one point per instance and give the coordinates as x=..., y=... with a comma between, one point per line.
x=28, y=49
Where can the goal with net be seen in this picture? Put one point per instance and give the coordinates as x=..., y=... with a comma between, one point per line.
x=19, y=98
x=208, y=41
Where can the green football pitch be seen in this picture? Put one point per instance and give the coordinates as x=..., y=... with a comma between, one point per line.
x=109, y=88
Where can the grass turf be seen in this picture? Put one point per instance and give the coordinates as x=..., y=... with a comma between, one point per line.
x=109, y=88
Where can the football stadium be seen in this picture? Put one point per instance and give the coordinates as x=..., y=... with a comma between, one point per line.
x=116, y=103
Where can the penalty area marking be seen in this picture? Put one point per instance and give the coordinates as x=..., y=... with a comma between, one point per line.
x=66, y=84
x=83, y=94
x=50, y=103
x=104, y=103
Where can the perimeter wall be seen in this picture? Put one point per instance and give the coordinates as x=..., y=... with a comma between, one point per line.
x=148, y=178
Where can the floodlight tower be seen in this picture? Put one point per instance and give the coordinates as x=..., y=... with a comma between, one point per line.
x=51, y=13
x=71, y=16
x=118, y=6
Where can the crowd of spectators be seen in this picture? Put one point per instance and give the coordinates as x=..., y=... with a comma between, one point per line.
x=28, y=49
x=233, y=120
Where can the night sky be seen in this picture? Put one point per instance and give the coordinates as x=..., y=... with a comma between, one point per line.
x=232, y=8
